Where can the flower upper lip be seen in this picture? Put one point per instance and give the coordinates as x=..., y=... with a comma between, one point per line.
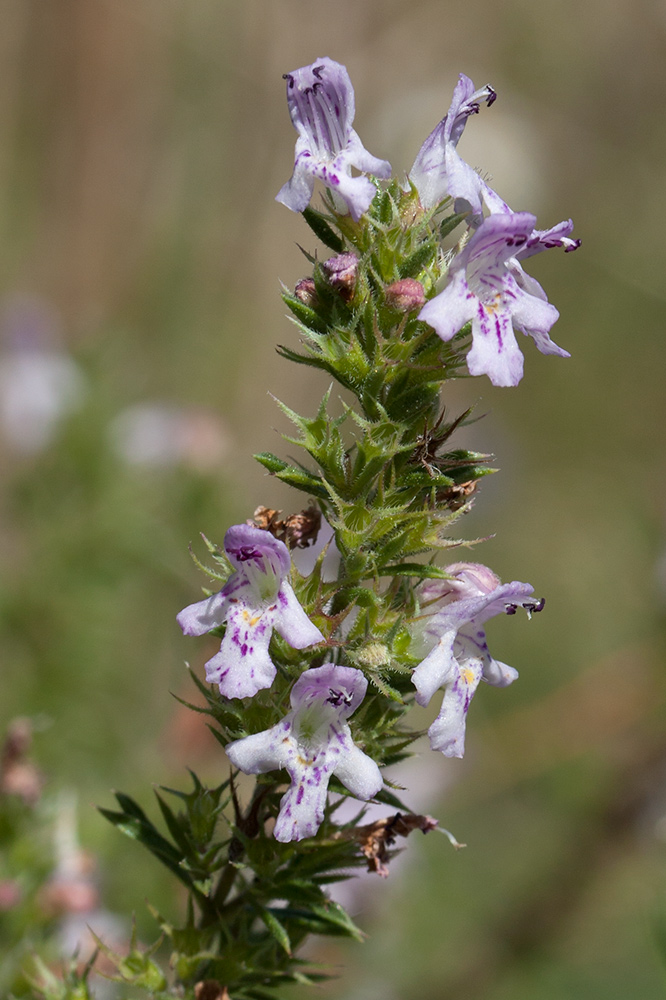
x=321, y=106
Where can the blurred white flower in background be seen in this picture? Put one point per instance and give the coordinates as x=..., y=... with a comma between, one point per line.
x=162, y=435
x=40, y=383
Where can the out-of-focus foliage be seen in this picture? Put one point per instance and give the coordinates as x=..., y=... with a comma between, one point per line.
x=141, y=143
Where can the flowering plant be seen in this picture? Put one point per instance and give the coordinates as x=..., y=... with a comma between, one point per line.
x=335, y=619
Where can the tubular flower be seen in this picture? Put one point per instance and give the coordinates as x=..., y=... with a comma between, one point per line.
x=312, y=742
x=256, y=599
x=438, y=169
x=321, y=106
x=458, y=657
x=488, y=287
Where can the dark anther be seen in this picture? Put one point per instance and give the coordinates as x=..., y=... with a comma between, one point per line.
x=576, y=244
x=246, y=552
x=317, y=86
x=511, y=609
x=520, y=240
x=337, y=697
x=492, y=95
x=317, y=71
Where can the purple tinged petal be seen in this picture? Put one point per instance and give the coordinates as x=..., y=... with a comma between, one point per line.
x=261, y=752
x=459, y=658
x=488, y=285
x=498, y=674
x=438, y=170
x=292, y=622
x=242, y=667
x=436, y=669
x=255, y=600
x=494, y=350
x=449, y=311
x=201, y=617
x=447, y=733
x=321, y=106
x=312, y=742
x=360, y=158
x=355, y=192
x=319, y=683
x=358, y=773
x=247, y=546
x=535, y=317
x=302, y=806
x=295, y=194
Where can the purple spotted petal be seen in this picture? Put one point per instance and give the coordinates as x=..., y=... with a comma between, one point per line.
x=292, y=622
x=451, y=309
x=494, y=350
x=321, y=105
x=447, y=733
x=242, y=667
x=312, y=742
x=488, y=286
x=256, y=599
x=199, y=618
x=458, y=656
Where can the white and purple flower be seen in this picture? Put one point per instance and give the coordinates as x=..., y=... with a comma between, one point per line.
x=458, y=657
x=438, y=169
x=256, y=599
x=321, y=106
x=312, y=742
x=488, y=287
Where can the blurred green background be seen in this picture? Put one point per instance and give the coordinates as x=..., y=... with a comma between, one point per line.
x=141, y=145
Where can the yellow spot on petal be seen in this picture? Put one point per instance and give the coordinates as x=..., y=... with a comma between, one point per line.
x=468, y=675
x=252, y=621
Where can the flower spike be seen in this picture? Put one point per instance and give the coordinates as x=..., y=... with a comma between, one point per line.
x=312, y=742
x=438, y=169
x=321, y=106
x=459, y=657
x=256, y=599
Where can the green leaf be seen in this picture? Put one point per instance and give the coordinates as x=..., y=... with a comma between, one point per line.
x=276, y=928
x=421, y=570
x=134, y=823
x=323, y=231
x=450, y=222
x=422, y=257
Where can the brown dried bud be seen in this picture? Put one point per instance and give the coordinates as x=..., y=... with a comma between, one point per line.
x=374, y=839
x=297, y=531
x=302, y=529
x=405, y=295
x=456, y=496
x=210, y=989
x=341, y=273
x=268, y=519
x=306, y=292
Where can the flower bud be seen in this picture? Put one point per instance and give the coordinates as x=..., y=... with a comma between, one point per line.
x=405, y=295
x=341, y=274
x=305, y=291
